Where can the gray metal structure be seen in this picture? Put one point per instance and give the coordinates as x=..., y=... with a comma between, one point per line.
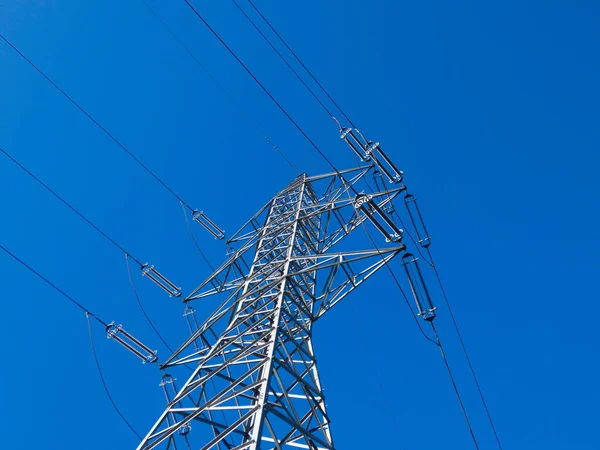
x=251, y=373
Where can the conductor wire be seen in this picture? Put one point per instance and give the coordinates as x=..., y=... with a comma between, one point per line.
x=187, y=223
x=88, y=314
x=95, y=122
x=289, y=66
x=262, y=86
x=110, y=398
x=464, y=349
x=458, y=396
x=52, y=285
x=139, y=302
x=241, y=110
x=436, y=342
x=302, y=64
x=68, y=205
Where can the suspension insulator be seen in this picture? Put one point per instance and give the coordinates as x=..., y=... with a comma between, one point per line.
x=388, y=207
x=190, y=317
x=160, y=280
x=372, y=210
x=208, y=224
x=417, y=220
x=347, y=135
x=384, y=163
x=117, y=333
x=418, y=287
x=167, y=383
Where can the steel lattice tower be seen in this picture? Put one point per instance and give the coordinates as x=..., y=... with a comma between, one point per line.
x=254, y=382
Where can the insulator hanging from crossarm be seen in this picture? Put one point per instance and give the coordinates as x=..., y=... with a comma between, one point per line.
x=190, y=317
x=348, y=135
x=379, y=157
x=117, y=333
x=371, y=151
x=208, y=224
x=167, y=383
x=417, y=220
x=418, y=287
x=372, y=210
x=160, y=280
x=380, y=184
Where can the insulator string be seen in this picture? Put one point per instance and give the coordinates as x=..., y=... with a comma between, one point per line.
x=139, y=302
x=104, y=385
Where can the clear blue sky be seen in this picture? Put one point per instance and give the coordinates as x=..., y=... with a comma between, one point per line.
x=490, y=108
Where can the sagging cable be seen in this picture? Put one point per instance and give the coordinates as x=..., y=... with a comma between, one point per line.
x=104, y=385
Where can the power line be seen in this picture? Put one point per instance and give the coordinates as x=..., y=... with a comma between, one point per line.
x=139, y=302
x=187, y=223
x=436, y=342
x=302, y=64
x=95, y=122
x=262, y=86
x=52, y=285
x=454, y=385
x=72, y=208
x=88, y=314
x=110, y=398
x=241, y=110
x=289, y=66
x=464, y=349
x=431, y=263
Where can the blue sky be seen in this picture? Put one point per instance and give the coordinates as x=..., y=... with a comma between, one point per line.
x=491, y=110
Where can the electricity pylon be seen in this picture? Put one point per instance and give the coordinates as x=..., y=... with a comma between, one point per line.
x=254, y=382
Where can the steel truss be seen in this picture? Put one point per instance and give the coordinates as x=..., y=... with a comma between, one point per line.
x=254, y=382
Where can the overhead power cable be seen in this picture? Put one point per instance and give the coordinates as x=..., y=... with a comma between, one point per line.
x=95, y=122
x=436, y=342
x=68, y=205
x=243, y=112
x=431, y=262
x=262, y=86
x=302, y=64
x=104, y=385
x=289, y=66
x=189, y=228
x=88, y=314
x=464, y=349
x=52, y=285
x=139, y=302
x=454, y=385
